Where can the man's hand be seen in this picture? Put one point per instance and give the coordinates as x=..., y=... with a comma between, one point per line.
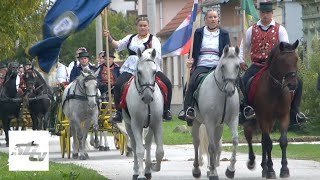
x=106, y=33
x=189, y=63
x=243, y=66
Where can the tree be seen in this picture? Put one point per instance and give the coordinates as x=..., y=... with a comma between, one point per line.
x=20, y=23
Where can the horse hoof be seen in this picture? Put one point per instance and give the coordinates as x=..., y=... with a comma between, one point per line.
x=107, y=148
x=155, y=167
x=7, y=144
x=86, y=155
x=135, y=177
x=75, y=155
x=129, y=154
x=251, y=165
x=284, y=173
x=264, y=173
x=230, y=174
x=82, y=157
x=213, y=178
x=148, y=176
x=196, y=172
x=101, y=148
x=271, y=175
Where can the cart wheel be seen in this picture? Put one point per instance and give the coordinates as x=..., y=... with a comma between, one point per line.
x=121, y=143
x=62, y=142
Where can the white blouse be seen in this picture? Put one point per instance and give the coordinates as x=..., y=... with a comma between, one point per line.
x=209, y=51
x=131, y=62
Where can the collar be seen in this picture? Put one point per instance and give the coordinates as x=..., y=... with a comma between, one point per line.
x=273, y=23
x=207, y=32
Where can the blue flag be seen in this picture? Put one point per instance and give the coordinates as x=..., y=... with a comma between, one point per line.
x=65, y=17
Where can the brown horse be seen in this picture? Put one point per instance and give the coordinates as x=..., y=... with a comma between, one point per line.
x=271, y=102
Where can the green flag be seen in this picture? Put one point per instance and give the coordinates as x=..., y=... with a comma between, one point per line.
x=251, y=12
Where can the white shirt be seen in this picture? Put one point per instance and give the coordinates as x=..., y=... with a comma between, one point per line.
x=131, y=62
x=62, y=74
x=210, y=43
x=283, y=37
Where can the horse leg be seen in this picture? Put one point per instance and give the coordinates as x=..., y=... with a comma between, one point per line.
x=101, y=147
x=264, y=159
x=284, y=172
x=34, y=121
x=267, y=143
x=83, y=150
x=196, y=172
x=212, y=149
x=75, y=144
x=148, y=142
x=133, y=145
x=106, y=145
x=158, y=140
x=6, y=128
x=233, y=126
x=248, y=131
x=137, y=132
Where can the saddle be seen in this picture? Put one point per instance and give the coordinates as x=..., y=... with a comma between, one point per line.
x=251, y=85
x=125, y=88
x=199, y=81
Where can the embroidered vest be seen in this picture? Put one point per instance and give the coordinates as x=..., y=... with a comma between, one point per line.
x=147, y=44
x=104, y=75
x=263, y=41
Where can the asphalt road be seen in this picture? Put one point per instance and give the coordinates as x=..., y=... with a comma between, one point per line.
x=177, y=164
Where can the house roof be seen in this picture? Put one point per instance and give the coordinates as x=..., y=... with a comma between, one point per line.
x=177, y=20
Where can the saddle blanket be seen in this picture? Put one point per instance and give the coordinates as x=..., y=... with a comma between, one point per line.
x=162, y=86
x=254, y=84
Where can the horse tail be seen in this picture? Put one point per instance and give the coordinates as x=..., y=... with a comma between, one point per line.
x=204, y=143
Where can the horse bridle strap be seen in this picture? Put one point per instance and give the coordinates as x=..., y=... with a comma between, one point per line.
x=282, y=84
x=222, y=87
x=146, y=85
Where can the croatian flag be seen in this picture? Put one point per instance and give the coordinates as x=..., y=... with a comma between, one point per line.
x=179, y=42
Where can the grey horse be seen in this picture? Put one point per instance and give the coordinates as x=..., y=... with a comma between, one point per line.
x=218, y=104
x=81, y=107
x=144, y=109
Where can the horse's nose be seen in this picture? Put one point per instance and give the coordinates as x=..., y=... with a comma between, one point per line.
x=292, y=86
x=147, y=99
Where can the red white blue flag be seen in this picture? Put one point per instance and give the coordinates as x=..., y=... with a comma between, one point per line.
x=179, y=42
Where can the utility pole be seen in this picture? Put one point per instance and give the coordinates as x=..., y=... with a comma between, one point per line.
x=98, y=35
x=151, y=12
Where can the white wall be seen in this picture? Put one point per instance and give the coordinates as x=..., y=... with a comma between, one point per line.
x=122, y=6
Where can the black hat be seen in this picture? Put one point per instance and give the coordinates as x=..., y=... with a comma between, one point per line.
x=83, y=54
x=14, y=65
x=266, y=6
x=104, y=54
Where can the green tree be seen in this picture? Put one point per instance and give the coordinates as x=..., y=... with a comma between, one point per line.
x=20, y=22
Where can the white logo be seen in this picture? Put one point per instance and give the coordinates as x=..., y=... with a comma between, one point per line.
x=28, y=151
x=65, y=24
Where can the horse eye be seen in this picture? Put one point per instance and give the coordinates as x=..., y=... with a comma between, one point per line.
x=222, y=67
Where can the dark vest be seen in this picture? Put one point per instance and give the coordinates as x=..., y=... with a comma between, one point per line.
x=147, y=44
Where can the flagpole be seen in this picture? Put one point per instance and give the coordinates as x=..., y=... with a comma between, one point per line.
x=107, y=59
x=243, y=5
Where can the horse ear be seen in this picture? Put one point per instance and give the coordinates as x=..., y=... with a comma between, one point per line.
x=237, y=50
x=281, y=46
x=295, y=44
x=153, y=53
x=139, y=53
x=97, y=72
x=226, y=49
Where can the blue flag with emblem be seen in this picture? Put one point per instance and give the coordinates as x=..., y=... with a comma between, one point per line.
x=65, y=17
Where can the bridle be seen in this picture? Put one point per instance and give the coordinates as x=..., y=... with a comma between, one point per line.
x=82, y=87
x=145, y=86
x=225, y=81
x=283, y=81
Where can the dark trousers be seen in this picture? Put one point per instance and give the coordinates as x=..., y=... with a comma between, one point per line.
x=192, y=85
x=167, y=82
x=250, y=72
x=124, y=77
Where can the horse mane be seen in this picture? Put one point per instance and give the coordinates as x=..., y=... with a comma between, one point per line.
x=41, y=79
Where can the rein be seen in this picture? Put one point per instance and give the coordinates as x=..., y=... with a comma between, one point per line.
x=146, y=85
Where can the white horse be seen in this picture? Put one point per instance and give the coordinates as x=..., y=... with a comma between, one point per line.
x=144, y=109
x=218, y=103
x=81, y=107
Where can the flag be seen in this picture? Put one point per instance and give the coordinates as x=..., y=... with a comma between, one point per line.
x=179, y=42
x=251, y=15
x=64, y=17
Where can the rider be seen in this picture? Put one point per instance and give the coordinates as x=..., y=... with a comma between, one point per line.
x=261, y=38
x=132, y=42
x=83, y=58
x=208, y=45
x=103, y=74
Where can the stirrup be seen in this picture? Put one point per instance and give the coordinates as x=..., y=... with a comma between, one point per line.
x=192, y=111
x=248, y=109
x=301, y=116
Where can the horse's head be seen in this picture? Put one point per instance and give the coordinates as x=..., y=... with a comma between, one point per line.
x=282, y=63
x=228, y=68
x=30, y=78
x=145, y=77
x=13, y=69
x=88, y=86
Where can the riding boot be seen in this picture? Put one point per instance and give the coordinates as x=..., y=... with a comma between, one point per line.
x=246, y=111
x=117, y=116
x=166, y=109
x=188, y=113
